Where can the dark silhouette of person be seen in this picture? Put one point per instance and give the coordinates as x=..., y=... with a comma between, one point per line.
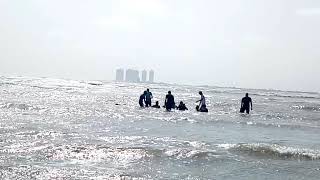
x=156, y=105
x=182, y=106
x=169, y=101
x=246, y=103
x=142, y=99
x=202, y=107
x=148, y=98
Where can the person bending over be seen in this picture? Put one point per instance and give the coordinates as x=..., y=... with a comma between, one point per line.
x=142, y=99
x=202, y=105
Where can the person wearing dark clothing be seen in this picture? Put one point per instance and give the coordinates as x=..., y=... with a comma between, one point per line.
x=169, y=101
x=142, y=99
x=204, y=108
x=182, y=106
x=246, y=103
x=148, y=98
x=156, y=105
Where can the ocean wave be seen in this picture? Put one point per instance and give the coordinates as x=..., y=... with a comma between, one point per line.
x=43, y=83
x=123, y=156
x=267, y=93
x=183, y=153
x=279, y=125
x=273, y=151
x=82, y=154
x=287, y=96
x=20, y=106
x=308, y=108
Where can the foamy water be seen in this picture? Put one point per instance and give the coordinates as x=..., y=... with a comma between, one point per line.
x=63, y=129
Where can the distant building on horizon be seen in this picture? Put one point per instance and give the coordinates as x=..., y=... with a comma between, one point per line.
x=132, y=76
x=151, y=76
x=120, y=75
x=144, y=76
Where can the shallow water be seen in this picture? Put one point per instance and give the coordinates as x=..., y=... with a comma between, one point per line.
x=63, y=129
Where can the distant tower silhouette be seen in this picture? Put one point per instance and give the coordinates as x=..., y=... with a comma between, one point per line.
x=132, y=76
x=144, y=76
x=151, y=76
x=120, y=75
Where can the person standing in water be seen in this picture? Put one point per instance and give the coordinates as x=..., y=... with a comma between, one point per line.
x=169, y=101
x=246, y=103
x=148, y=98
x=142, y=99
x=202, y=105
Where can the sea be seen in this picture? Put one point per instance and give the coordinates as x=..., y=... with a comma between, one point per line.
x=68, y=129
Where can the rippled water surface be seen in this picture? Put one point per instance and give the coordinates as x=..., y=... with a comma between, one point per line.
x=63, y=129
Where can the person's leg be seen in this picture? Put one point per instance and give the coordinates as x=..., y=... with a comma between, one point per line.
x=247, y=110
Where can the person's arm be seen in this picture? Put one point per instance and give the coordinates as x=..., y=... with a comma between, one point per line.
x=200, y=99
x=251, y=104
x=242, y=103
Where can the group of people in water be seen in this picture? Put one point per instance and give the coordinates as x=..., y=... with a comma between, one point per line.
x=169, y=103
x=145, y=100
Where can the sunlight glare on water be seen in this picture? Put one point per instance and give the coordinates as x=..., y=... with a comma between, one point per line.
x=63, y=129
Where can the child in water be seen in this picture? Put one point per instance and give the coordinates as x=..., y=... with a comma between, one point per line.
x=182, y=106
x=156, y=105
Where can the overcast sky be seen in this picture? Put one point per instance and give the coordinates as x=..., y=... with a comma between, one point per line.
x=244, y=43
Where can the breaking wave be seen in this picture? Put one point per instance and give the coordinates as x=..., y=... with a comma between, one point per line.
x=19, y=106
x=273, y=151
x=124, y=155
x=308, y=108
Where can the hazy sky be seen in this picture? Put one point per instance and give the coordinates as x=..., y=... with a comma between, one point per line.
x=244, y=43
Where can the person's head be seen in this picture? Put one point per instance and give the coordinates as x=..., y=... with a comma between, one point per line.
x=181, y=102
x=247, y=94
x=157, y=103
x=169, y=92
x=147, y=90
x=200, y=92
